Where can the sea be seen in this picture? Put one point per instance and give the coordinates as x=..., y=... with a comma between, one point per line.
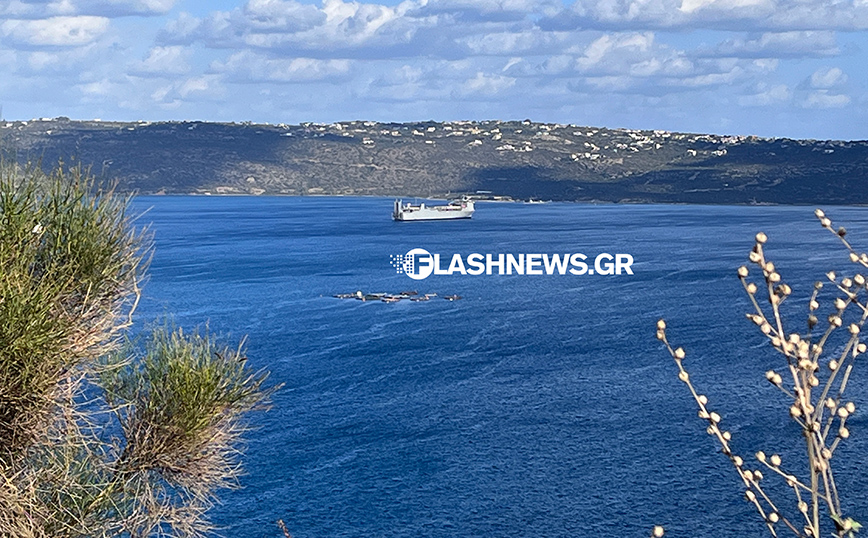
x=536, y=405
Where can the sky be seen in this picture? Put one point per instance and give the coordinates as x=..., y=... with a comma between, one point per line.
x=774, y=68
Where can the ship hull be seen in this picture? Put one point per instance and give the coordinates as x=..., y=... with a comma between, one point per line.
x=431, y=215
x=409, y=212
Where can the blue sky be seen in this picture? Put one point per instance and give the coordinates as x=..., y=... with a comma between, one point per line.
x=794, y=68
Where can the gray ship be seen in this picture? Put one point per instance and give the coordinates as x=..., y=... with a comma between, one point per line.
x=457, y=209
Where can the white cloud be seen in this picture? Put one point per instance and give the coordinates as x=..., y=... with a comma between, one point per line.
x=164, y=61
x=829, y=77
x=735, y=15
x=54, y=31
x=250, y=67
x=486, y=86
x=36, y=9
x=192, y=89
x=290, y=25
x=780, y=45
x=770, y=96
x=633, y=54
x=825, y=99
x=485, y=10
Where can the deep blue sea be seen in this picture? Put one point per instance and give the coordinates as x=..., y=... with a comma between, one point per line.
x=538, y=406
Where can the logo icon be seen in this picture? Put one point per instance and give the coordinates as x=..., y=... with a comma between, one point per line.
x=417, y=264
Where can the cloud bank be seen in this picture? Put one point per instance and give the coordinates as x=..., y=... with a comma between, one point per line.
x=784, y=67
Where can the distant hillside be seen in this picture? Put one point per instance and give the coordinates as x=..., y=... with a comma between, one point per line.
x=515, y=159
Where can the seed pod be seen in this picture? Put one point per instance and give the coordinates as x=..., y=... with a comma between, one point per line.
x=773, y=517
x=830, y=404
x=751, y=288
x=858, y=279
x=840, y=304
x=761, y=456
x=750, y=495
x=814, y=304
x=761, y=238
x=682, y=375
x=742, y=271
x=661, y=325
x=775, y=460
x=703, y=399
x=727, y=436
x=826, y=453
x=795, y=412
x=846, y=282
x=833, y=365
x=657, y=532
x=803, y=507
x=831, y=275
x=679, y=353
x=714, y=417
x=737, y=461
x=854, y=329
x=843, y=432
x=853, y=257
x=851, y=407
x=754, y=257
x=843, y=413
x=774, y=277
x=819, y=213
x=812, y=321
x=661, y=335
x=826, y=223
x=842, y=232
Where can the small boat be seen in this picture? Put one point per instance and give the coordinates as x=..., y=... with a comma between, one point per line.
x=452, y=297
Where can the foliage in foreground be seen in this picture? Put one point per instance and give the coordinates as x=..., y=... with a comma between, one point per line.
x=99, y=438
x=813, y=377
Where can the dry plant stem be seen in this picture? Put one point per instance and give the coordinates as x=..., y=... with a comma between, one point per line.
x=753, y=487
x=803, y=360
x=282, y=526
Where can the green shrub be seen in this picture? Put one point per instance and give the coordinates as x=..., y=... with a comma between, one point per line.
x=99, y=437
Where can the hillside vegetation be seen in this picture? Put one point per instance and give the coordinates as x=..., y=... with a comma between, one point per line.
x=517, y=159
